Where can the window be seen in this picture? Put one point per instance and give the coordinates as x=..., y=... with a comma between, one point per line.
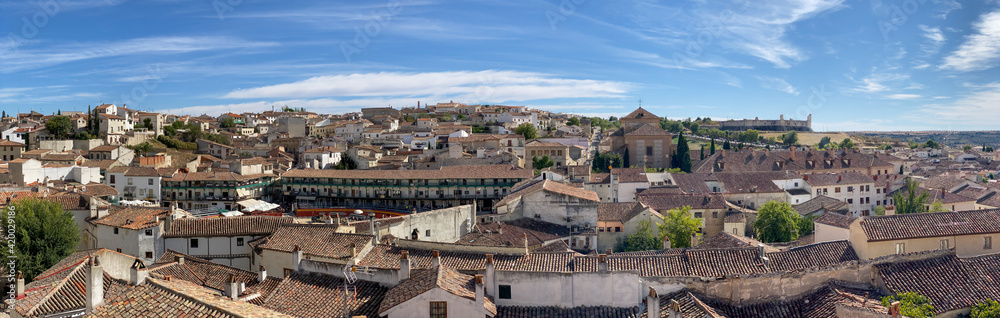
x=836, y=190
x=900, y=248
x=715, y=215
x=149, y=254
x=118, y=250
x=988, y=243
x=194, y=243
x=112, y=179
x=850, y=201
x=439, y=309
x=239, y=241
x=427, y=233
x=850, y=189
x=600, y=229
x=796, y=184
x=944, y=244
x=150, y=181
x=697, y=215
x=116, y=230
x=618, y=229
x=288, y=271
x=504, y=291
x=129, y=181
x=149, y=232
x=649, y=151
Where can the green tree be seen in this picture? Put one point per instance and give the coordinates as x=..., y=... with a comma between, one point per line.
x=806, y=225
x=750, y=135
x=4, y=114
x=542, y=163
x=527, y=130
x=674, y=127
x=702, y=152
x=777, y=222
x=911, y=304
x=604, y=161
x=711, y=148
x=573, y=121
x=44, y=234
x=880, y=210
x=641, y=240
x=59, y=126
x=170, y=131
x=60, y=112
x=823, y=142
x=966, y=148
x=148, y=123
x=678, y=226
x=847, y=144
x=910, y=202
x=726, y=145
x=932, y=144
x=480, y=130
x=694, y=127
x=142, y=149
x=228, y=122
x=937, y=206
x=790, y=139
x=683, y=154
x=986, y=309
x=346, y=163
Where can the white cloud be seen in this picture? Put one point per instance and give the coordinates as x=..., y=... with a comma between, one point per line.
x=903, y=96
x=490, y=86
x=761, y=29
x=935, y=38
x=777, y=84
x=16, y=60
x=977, y=110
x=876, y=82
x=981, y=50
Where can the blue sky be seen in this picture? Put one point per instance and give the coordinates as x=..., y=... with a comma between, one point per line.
x=854, y=65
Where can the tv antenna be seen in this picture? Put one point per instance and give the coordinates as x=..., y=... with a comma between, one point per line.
x=640, y=102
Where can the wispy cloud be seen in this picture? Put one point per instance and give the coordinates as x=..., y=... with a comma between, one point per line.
x=481, y=86
x=777, y=84
x=981, y=50
x=977, y=109
x=761, y=29
x=878, y=81
x=935, y=39
x=903, y=96
x=18, y=60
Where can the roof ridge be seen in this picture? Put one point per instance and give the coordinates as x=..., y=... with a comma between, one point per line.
x=57, y=286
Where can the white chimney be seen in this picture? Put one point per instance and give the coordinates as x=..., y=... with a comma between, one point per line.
x=602, y=263
x=479, y=290
x=138, y=273
x=94, y=285
x=404, y=266
x=652, y=304
x=262, y=274
x=180, y=259
x=20, y=285
x=435, y=258
x=232, y=288
x=296, y=258
x=490, y=272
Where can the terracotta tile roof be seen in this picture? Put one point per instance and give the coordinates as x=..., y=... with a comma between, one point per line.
x=512, y=233
x=176, y=298
x=105, y=148
x=812, y=256
x=449, y=172
x=319, y=240
x=103, y=164
x=835, y=219
x=845, y=178
x=214, y=176
x=533, y=186
x=648, y=130
x=692, y=182
x=820, y=303
x=59, y=288
x=949, y=282
x=640, y=113
x=727, y=240
x=629, y=174
x=822, y=202
x=735, y=217
x=556, y=312
x=754, y=182
x=616, y=211
x=303, y=294
x=226, y=226
x=447, y=279
x=805, y=161
x=8, y=143
x=690, y=305
x=665, y=202
x=387, y=257
x=135, y=218
x=212, y=275
x=135, y=171
x=943, y=182
x=99, y=190
x=909, y=226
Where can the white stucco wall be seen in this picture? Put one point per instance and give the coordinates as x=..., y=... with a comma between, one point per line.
x=420, y=306
x=567, y=290
x=826, y=233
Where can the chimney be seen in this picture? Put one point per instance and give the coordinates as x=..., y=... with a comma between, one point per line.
x=180, y=259
x=232, y=288
x=760, y=249
x=328, y=219
x=525, y=240
x=354, y=250
x=840, y=178
x=490, y=272
x=602, y=263
x=791, y=153
x=479, y=290
x=435, y=258
x=138, y=273
x=652, y=304
x=404, y=266
x=20, y=285
x=94, y=285
x=296, y=258
x=609, y=251
x=675, y=309
x=894, y=309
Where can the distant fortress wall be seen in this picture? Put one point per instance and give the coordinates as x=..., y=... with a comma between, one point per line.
x=772, y=125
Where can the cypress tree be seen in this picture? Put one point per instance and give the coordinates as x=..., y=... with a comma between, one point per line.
x=683, y=154
x=703, y=152
x=726, y=145
x=712, y=147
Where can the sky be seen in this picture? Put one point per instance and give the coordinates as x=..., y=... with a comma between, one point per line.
x=853, y=65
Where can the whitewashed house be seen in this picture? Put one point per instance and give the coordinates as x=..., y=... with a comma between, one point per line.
x=135, y=183
x=222, y=240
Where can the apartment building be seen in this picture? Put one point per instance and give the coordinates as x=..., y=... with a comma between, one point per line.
x=402, y=189
x=135, y=183
x=222, y=190
x=854, y=188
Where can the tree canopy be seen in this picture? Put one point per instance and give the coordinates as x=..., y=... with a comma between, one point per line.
x=527, y=130
x=823, y=142
x=682, y=158
x=986, y=309
x=679, y=226
x=542, y=163
x=847, y=144
x=790, y=139
x=932, y=144
x=909, y=201
x=44, y=235
x=573, y=121
x=604, y=161
x=59, y=126
x=777, y=222
x=641, y=240
x=911, y=304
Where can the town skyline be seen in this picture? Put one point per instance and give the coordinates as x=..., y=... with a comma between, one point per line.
x=874, y=66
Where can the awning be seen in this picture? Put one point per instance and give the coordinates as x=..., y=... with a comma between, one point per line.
x=242, y=192
x=251, y=205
